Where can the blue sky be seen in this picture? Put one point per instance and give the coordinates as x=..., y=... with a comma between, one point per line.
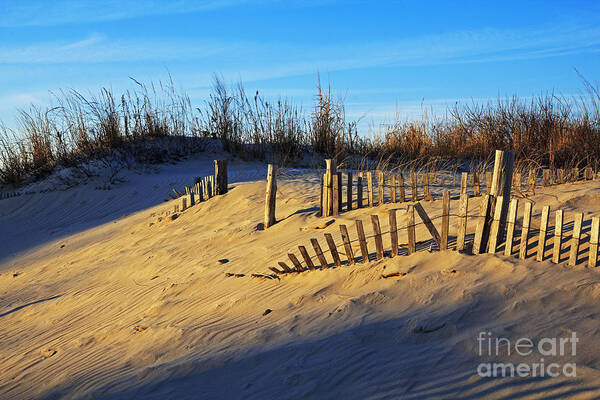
x=382, y=57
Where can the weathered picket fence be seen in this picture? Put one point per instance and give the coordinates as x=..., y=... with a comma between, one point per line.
x=203, y=189
x=496, y=220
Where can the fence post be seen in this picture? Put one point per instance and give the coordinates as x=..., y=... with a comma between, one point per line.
x=271, y=195
x=364, y=251
x=359, y=191
x=464, y=181
x=525, y=231
x=220, y=177
x=402, y=192
x=558, y=225
x=347, y=244
x=377, y=233
x=413, y=184
x=393, y=232
x=463, y=208
x=349, y=192
x=543, y=229
x=510, y=227
x=574, y=250
x=594, y=233
x=370, y=187
x=445, y=220
x=410, y=228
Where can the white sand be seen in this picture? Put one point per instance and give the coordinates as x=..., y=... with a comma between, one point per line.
x=95, y=303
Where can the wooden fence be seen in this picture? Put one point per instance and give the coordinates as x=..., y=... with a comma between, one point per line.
x=496, y=227
x=204, y=188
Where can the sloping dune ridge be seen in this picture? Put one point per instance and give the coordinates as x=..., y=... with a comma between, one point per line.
x=103, y=296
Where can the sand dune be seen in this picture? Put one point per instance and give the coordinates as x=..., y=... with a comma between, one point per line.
x=103, y=297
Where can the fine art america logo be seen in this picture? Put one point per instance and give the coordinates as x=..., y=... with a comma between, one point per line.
x=545, y=352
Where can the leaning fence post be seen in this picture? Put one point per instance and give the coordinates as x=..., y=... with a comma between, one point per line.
x=319, y=252
x=484, y=209
x=347, y=244
x=428, y=224
x=377, y=233
x=271, y=196
x=364, y=251
x=306, y=257
x=574, y=250
x=333, y=249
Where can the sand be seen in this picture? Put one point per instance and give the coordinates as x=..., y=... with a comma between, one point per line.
x=101, y=299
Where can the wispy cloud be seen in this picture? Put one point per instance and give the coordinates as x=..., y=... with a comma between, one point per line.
x=57, y=12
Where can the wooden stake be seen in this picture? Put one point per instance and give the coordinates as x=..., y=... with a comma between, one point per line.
x=510, y=227
x=285, y=267
x=347, y=244
x=543, y=230
x=532, y=180
x=427, y=221
x=393, y=188
x=362, y=240
x=322, y=196
x=271, y=196
x=377, y=233
x=464, y=180
x=359, y=192
x=370, y=187
x=494, y=229
x=306, y=257
x=525, y=231
x=319, y=252
x=574, y=250
x=463, y=208
x=393, y=232
x=333, y=250
x=445, y=220
x=476, y=186
x=295, y=261
x=413, y=185
x=335, y=200
x=402, y=194
x=349, y=192
x=488, y=181
x=380, y=187
x=518, y=182
x=339, y=187
x=546, y=177
x=220, y=177
x=410, y=228
x=484, y=209
x=594, y=233
x=558, y=231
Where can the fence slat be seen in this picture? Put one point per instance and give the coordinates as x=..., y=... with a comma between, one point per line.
x=378, y=239
x=402, y=192
x=543, y=231
x=335, y=200
x=370, y=187
x=393, y=232
x=349, y=192
x=413, y=185
x=306, y=257
x=510, y=227
x=464, y=180
x=347, y=244
x=558, y=233
x=380, y=188
x=476, y=186
x=574, y=250
x=319, y=252
x=333, y=249
x=445, y=220
x=284, y=266
x=484, y=209
x=594, y=233
x=428, y=224
x=495, y=228
x=270, y=197
x=360, y=231
x=295, y=261
x=393, y=188
x=463, y=208
x=525, y=231
x=410, y=229
x=359, y=192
